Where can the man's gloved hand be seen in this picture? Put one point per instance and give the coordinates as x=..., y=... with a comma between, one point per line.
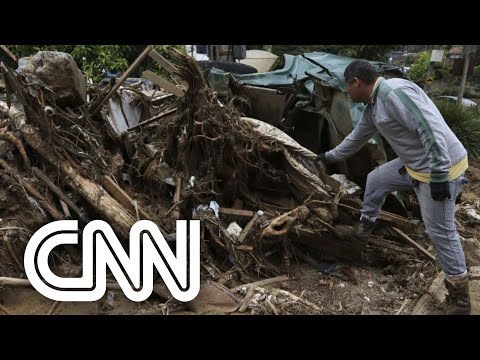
x=440, y=191
x=321, y=157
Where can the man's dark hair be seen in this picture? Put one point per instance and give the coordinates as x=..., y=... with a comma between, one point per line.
x=362, y=70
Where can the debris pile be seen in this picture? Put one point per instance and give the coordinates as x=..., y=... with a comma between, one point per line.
x=130, y=154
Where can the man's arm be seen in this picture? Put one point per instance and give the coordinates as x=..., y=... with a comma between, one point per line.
x=354, y=141
x=406, y=106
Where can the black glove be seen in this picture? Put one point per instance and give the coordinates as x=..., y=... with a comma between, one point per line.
x=321, y=157
x=440, y=191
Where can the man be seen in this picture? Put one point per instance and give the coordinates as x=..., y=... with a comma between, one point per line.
x=430, y=158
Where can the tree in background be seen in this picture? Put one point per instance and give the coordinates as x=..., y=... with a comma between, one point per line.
x=95, y=60
x=419, y=69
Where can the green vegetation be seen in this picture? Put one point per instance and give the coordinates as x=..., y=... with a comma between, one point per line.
x=419, y=69
x=93, y=60
x=464, y=122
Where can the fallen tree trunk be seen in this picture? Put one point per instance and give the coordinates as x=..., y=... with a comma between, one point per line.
x=110, y=209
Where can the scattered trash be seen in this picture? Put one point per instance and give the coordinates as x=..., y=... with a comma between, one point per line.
x=234, y=229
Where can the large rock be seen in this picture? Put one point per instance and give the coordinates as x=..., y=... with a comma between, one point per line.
x=60, y=73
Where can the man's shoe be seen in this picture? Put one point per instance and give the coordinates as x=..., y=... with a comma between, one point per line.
x=457, y=301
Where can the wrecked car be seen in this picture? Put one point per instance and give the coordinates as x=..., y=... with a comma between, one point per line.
x=307, y=99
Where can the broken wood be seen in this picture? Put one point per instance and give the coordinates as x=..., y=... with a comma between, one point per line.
x=124, y=77
x=53, y=308
x=56, y=190
x=176, y=198
x=249, y=226
x=246, y=300
x=109, y=208
x=52, y=210
x=272, y=307
x=4, y=309
x=8, y=281
x=405, y=302
x=435, y=294
x=65, y=209
x=383, y=215
x=164, y=63
x=261, y=282
x=236, y=212
x=168, y=66
x=152, y=119
x=163, y=83
x=122, y=197
x=9, y=53
x=414, y=243
x=296, y=299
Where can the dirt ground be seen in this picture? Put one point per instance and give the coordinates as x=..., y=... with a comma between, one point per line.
x=373, y=289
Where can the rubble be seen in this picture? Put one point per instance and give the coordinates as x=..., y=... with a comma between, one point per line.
x=124, y=156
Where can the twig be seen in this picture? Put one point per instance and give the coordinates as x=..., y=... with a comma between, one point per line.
x=262, y=282
x=176, y=198
x=10, y=250
x=57, y=215
x=57, y=191
x=15, y=228
x=209, y=138
x=269, y=303
x=414, y=243
x=123, y=78
x=246, y=299
x=401, y=307
x=8, y=136
x=298, y=299
x=173, y=207
x=9, y=53
x=327, y=225
x=53, y=308
x=152, y=119
x=4, y=309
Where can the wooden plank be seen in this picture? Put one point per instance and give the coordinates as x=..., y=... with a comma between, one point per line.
x=414, y=243
x=168, y=66
x=236, y=212
x=163, y=83
x=394, y=218
x=152, y=119
x=9, y=53
x=122, y=197
x=155, y=55
x=248, y=227
x=124, y=77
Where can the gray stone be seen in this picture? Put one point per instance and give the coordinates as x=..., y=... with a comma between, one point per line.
x=59, y=72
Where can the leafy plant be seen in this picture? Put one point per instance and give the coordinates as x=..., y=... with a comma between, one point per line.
x=419, y=70
x=464, y=122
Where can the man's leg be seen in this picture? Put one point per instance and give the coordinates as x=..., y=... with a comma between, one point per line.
x=380, y=182
x=439, y=220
